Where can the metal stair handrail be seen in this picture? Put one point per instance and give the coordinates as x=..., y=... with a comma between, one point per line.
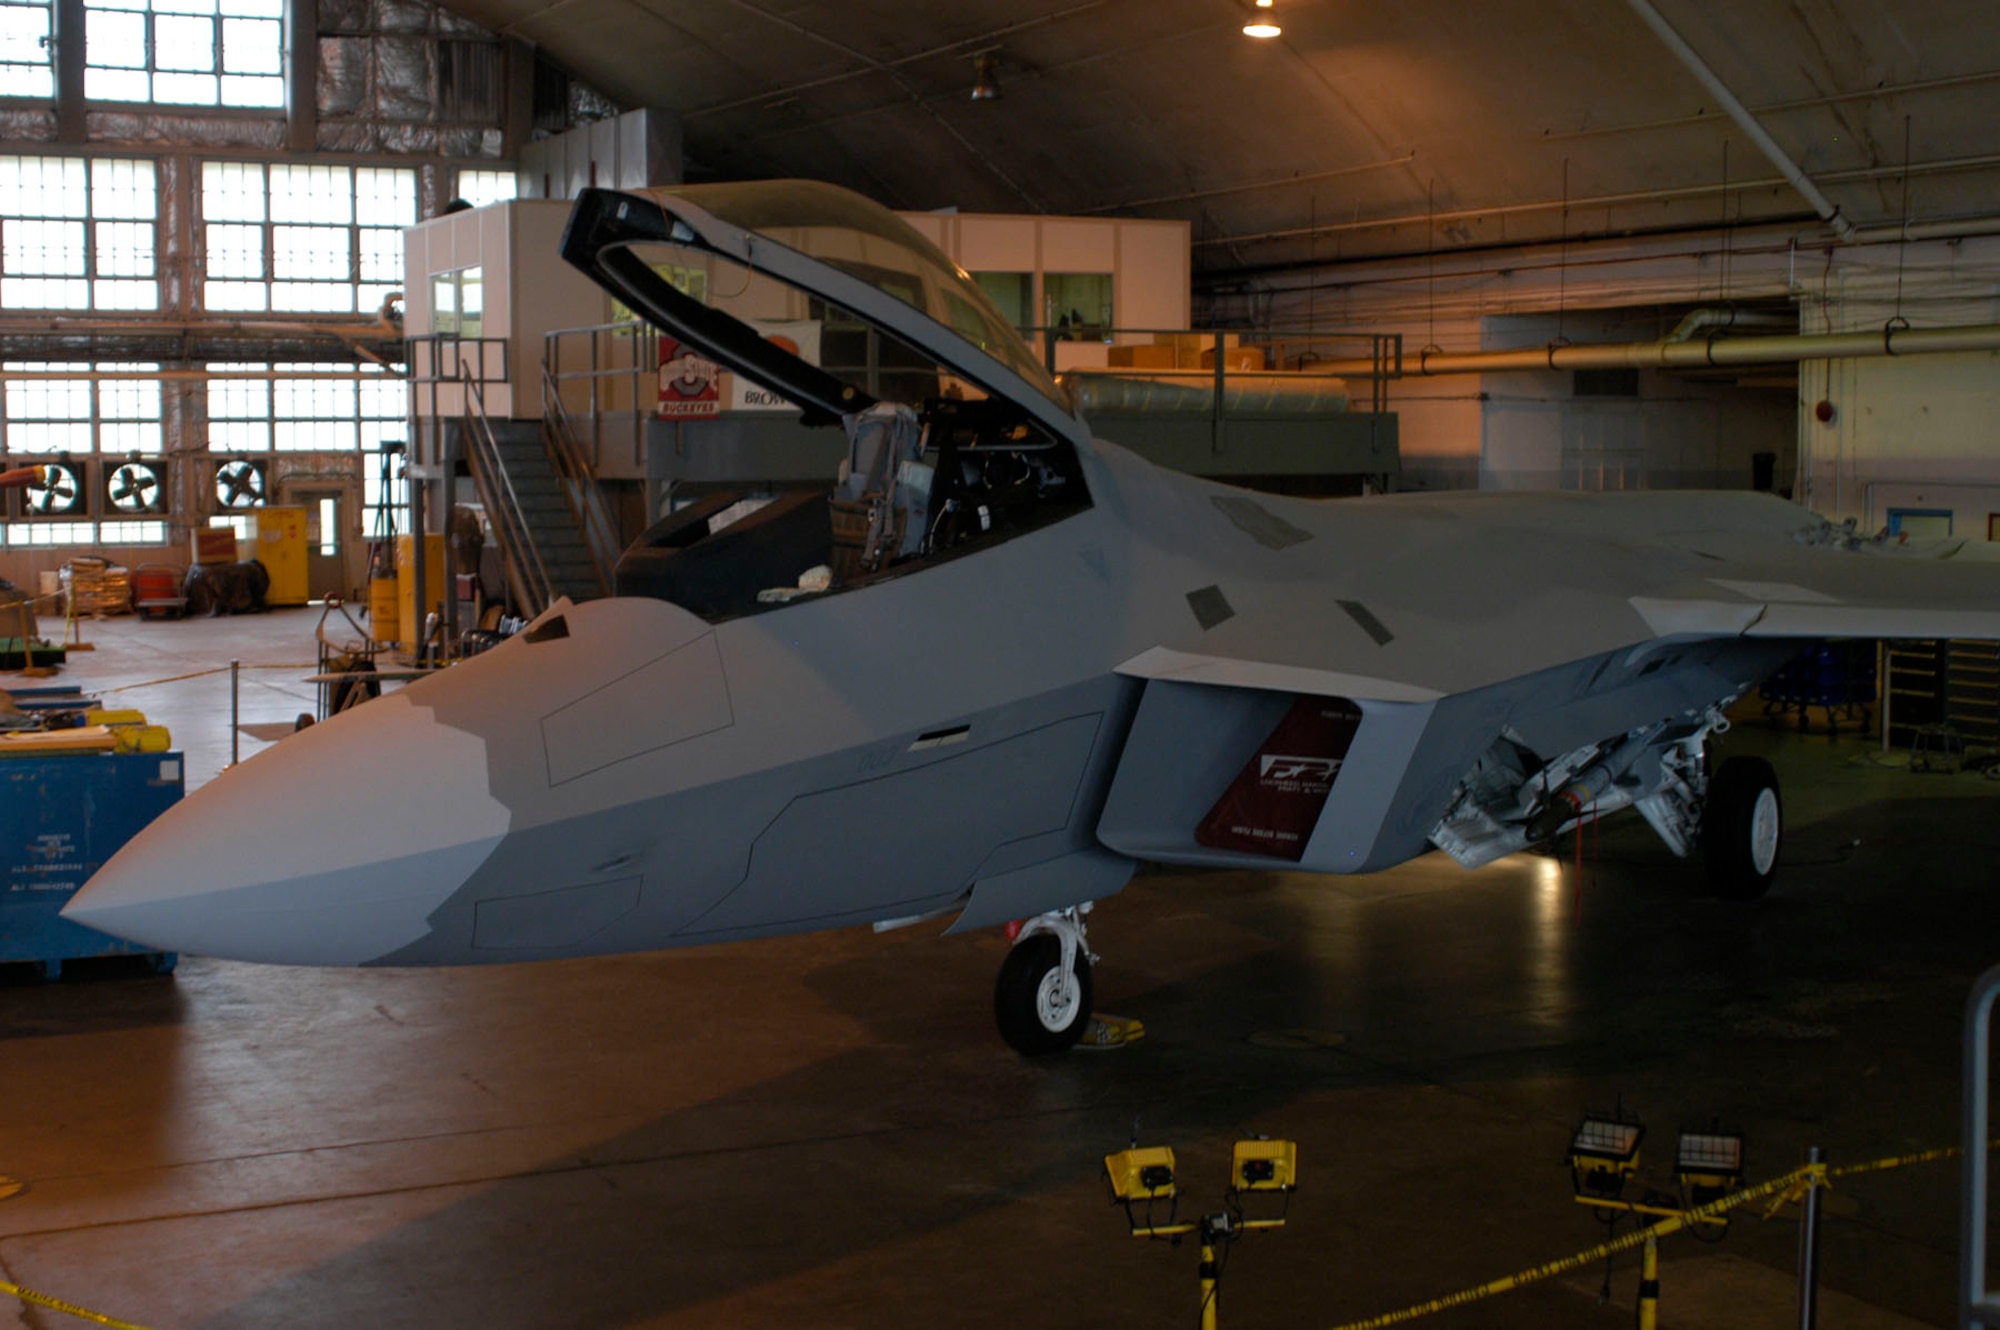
x=578, y=481
x=531, y=583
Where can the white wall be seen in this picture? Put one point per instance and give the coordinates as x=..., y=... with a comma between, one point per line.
x=1931, y=421
x=1904, y=425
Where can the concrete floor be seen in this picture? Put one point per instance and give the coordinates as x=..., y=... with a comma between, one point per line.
x=824, y=1130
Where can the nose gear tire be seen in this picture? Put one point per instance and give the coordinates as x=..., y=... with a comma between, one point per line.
x=1036, y=1016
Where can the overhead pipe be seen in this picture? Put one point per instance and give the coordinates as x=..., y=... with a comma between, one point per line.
x=1793, y=173
x=1890, y=340
x=1715, y=318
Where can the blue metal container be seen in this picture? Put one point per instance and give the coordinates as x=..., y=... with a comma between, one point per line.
x=60, y=819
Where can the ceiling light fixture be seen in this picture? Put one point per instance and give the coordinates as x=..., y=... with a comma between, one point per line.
x=1260, y=24
x=986, y=77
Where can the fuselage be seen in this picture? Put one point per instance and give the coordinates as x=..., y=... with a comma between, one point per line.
x=627, y=776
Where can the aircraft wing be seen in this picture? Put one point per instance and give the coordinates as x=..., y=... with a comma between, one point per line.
x=1411, y=599
x=1445, y=654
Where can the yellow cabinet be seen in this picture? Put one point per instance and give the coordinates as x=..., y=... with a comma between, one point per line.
x=406, y=583
x=280, y=538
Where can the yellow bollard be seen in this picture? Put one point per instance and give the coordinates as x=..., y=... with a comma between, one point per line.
x=1209, y=1292
x=1649, y=1285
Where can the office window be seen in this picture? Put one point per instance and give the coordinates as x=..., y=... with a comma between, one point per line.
x=1078, y=305
x=303, y=239
x=458, y=303
x=185, y=52
x=27, y=53
x=1012, y=293
x=480, y=188
x=77, y=233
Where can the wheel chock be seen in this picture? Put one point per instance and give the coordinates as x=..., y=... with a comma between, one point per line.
x=1111, y=1032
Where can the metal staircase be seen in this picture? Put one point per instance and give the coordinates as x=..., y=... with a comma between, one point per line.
x=554, y=533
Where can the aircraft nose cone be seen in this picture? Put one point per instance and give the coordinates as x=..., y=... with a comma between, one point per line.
x=331, y=848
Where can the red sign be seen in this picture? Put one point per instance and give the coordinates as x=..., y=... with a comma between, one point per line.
x=1275, y=802
x=690, y=384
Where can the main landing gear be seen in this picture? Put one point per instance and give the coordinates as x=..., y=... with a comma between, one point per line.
x=1742, y=825
x=1042, y=998
x=1729, y=813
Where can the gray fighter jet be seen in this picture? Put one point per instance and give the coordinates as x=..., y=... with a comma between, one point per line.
x=997, y=662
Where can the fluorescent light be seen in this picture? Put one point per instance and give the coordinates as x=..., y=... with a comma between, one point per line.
x=1263, y=4
x=1260, y=28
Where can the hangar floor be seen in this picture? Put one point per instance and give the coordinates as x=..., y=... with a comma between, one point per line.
x=825, y=1131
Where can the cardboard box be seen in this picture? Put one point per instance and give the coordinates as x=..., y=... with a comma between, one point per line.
x=214, y=544
x=1235, y=359
x=1142, y=357
x=1195, y=341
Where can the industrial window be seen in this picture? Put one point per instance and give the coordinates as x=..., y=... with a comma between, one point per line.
x=303, y=239
x=77, y=233
x=27, y=52
x=480, y=188
x=458, y=302
x=65, y=422
x=81, y=415
x=326, y=408
x=185, y=52
x=383, y=511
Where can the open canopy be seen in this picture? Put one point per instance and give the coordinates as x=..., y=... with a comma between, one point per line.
x=832, y=244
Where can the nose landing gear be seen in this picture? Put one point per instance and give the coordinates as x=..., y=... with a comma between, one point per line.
x=1042, y=998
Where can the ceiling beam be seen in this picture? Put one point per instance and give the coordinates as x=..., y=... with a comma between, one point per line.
x=1794, y=175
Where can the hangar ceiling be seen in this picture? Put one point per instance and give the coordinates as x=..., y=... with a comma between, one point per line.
x=1365, y=129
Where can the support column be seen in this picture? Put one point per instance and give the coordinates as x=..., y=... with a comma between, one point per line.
x=302, y=75
x=69, y=20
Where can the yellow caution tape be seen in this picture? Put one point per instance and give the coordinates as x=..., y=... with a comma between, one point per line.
x=1901, y=1161
x=67, y=1308
x=1787, y=1186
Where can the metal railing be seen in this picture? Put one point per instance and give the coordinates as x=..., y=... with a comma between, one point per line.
x=527, y=577
x=604, y=378
x=1290, y=352
x=1978, y=1301
x=579, y=482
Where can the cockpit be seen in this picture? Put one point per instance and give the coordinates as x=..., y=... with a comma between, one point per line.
x=957, y=438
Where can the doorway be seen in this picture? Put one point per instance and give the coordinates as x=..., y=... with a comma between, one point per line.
x=332, y=532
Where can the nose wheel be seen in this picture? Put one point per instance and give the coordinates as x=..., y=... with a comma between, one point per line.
x=1042, y=998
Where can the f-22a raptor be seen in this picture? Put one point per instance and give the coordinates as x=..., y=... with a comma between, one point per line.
x=996, y=662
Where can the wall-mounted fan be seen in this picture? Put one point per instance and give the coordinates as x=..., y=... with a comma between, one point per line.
x=239, y=485
x=57, y=492
x=134, y=487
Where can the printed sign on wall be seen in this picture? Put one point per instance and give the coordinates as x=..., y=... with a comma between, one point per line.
x=690, y=384
x=799, y=337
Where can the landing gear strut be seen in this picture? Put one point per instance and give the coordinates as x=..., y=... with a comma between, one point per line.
x=1042, y=998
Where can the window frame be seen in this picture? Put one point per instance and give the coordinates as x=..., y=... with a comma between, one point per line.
x=364, y=293
x=94, y=192
x=48, y=45
x=151, y=69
